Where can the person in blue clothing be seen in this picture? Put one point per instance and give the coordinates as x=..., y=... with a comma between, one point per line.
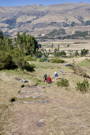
x=56, y=74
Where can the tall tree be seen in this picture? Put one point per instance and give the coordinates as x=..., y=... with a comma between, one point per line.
x=1, y=34
x=26, y=43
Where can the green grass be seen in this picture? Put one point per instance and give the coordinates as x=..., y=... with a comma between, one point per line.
x=85, y=63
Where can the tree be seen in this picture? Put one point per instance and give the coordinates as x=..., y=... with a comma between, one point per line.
x=55, y=50
x=12, y=53
x=49, y=51
x=26, y=43
x=5, y=43
x=84, y=52
x=6, y=61
x=52, y=46
x=68, y=45
x=1, y=34
x=31, y=45
x=76, y=53
x=58, y=47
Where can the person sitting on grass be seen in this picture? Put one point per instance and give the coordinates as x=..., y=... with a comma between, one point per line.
x=49, y=80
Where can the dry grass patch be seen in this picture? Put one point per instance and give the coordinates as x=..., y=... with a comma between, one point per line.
x=68, y=112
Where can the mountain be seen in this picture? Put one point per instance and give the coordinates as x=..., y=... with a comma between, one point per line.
x=39, y=20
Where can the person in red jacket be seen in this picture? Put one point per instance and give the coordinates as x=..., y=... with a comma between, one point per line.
x=49, y=80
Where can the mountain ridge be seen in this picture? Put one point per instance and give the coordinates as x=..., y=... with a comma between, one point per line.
x=39, y=20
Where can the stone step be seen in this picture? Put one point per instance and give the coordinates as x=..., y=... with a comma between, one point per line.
x=31, y=94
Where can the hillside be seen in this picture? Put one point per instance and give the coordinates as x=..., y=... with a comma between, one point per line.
x=67, y=111
x=39, y=20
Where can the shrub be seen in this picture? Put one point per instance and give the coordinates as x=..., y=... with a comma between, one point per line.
x=28, y=67
x=41, y=60
x=63, y=83
x=38, y=54
x=83, y=86
x=62, y=54
x=13, y=99
x=84, y=52
x=20, y=61
x=29, y=58
x=6, y=61
x=22, y=64
x=11, y=62
x=57, y=61
x=76, y=53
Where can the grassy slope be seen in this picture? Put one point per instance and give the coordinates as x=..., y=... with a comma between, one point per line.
x=66, y=113
x=85, y=64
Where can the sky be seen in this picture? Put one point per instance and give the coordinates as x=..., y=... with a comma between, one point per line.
x=38, y=2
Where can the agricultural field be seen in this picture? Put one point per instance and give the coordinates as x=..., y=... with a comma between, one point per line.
x=68, y=45
x=30, y=106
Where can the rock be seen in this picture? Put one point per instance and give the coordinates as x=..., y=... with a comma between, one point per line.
x=67, y=64
x=41, y=123
x=42, y=120
x=21, y=80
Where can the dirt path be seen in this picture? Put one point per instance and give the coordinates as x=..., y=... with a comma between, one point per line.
x=28, y=112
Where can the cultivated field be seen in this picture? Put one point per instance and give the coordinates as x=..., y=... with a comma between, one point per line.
x=67, y=45
x=54, y=111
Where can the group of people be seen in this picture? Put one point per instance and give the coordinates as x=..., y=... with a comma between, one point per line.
x=48, y=78
x=56, y=74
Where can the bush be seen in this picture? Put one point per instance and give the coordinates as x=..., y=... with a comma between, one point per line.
x=84, y=52
x=13, y=99
x=76, y=53
x=38, y=54
x=41, y=60
x=57, y=61
x=20, y=61
x=29, y=58
x=62, y=54
x=11, y=62
x=23, y=64
x=63, y=83
x=29, y=67
x=83, y=86
x=6, y=61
